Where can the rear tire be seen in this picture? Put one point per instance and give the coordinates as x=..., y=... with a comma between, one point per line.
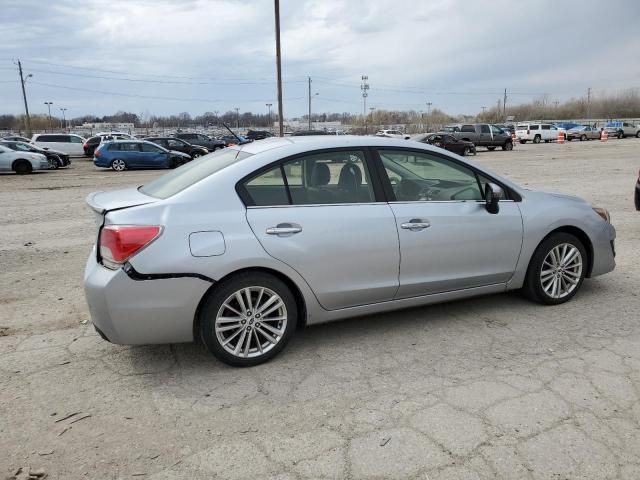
x=225, y=332
x=118, y=165
x=523, y=142
x=22, y=167
x=491, y=149
x=561, y=278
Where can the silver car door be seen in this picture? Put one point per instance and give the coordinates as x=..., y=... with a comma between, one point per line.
x=325, y=223
x=448, y=240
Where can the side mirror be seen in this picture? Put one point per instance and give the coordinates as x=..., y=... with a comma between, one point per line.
x=492, y=195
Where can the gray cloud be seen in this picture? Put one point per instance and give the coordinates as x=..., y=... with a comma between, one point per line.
x=220, y=54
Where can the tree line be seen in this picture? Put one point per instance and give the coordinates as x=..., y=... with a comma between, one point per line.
x=625, y=104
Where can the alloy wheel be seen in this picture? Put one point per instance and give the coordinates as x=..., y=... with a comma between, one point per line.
x=118, y=165
x=251, y=322
x=561, y=270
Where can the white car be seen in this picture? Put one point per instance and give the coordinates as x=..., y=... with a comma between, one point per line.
x=21, y=162
x=68, y=143
x=115, y=135
x=537, y=132
x=392, y=134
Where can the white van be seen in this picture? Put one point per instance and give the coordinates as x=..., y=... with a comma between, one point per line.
x=536, y=132
x=68, y=143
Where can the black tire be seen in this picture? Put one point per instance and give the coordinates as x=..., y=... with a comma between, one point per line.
x=466, y=152
x=55, y=163
x=22, y=167
x=214, y=301
x=491, y=149
x=638, y=134
x=620, y=134
x=536, y=139
x=523, y=142
x=532, y=287
x=508, y=146
x=583, y=137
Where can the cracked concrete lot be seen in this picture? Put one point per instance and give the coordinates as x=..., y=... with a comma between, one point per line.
x=491, y=387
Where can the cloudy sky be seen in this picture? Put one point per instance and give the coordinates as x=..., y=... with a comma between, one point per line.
x=171, y=56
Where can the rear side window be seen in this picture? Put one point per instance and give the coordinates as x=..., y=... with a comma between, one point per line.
x=147, y=147
x=484, y=129
x=534, y=127
x=192, y=172
x=53, y=138
x=467, y=128
x=326, y=178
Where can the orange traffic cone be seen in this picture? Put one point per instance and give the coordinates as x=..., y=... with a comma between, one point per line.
x=604, y=136
x=560, y=137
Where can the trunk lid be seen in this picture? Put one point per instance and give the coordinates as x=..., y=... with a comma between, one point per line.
x=103, y=202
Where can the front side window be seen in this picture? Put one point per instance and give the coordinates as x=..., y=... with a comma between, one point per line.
x=422, y=176
x=319, y=179
x=75, y=139
x=173, y=143
x=496, y=130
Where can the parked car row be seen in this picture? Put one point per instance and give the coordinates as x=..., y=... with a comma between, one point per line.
x=55, y=158
x=21, y=162
x=120, y=155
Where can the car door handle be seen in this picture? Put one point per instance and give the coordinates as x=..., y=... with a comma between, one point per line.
x=284, y=229
x=415, y=225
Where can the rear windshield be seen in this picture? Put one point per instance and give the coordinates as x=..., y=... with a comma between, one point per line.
x=191, y=173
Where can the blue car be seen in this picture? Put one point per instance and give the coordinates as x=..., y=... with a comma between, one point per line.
x=132, y=154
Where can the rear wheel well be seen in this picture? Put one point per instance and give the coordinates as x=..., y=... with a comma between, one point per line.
x=297, y=294
x=584, y=239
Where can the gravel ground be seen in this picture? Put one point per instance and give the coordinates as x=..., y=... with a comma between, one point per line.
x=492, y=387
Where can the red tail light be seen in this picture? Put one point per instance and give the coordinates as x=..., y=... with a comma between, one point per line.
x=118, y=243
x=97, y=153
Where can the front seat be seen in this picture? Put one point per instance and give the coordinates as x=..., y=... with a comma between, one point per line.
x=349, y=182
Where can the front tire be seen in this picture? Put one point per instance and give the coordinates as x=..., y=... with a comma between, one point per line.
x=583, y=138
x=118, y=165
x=466, y=152
x=508, y=146
x=22, y=167
x=536, y=139
x=248, y=319
x=620, y=134
x=556, y=270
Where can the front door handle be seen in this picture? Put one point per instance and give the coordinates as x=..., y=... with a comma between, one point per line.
x=284, y=229
x=415, y=224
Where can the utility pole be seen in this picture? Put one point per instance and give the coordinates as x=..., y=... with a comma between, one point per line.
x=309, y=103
x=64, y=118
x=237, y=118
x=364, y=86
x=588, y=101
x=483, y=109
x=48, y=104
x=24, y=96
x=429, y=108
x=279, y=66
x=269, y=107
x=504, y=105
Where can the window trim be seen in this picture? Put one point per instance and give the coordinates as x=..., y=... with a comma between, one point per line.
x=370, y=163
x=390, y=194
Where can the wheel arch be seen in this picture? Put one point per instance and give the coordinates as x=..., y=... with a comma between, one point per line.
x=18, y=160
x=580, y=235
x=297, y=294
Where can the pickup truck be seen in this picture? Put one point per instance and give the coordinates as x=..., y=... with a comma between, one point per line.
x=622, y=129
x=484, y=135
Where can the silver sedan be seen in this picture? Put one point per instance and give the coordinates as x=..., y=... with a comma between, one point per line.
x=240, y=247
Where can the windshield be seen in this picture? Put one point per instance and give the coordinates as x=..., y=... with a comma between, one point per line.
x=23, y=147
x=192, y=172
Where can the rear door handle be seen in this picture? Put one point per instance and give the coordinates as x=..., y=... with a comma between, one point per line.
x=415, y=224
x=284, y=229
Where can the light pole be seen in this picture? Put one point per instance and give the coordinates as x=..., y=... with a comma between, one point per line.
x=237, y=118
x=64, y=118
x=48, y=104
x=364, y=86
x=276, y=4
x=269, y=107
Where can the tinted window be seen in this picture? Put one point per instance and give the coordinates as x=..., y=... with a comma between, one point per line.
x=467, y=128
x=322, y=178
x=75, y=139
x=53, y=138
x=421, y=176
x=173, y=143
x=534, y=127
x=192, y=172
x=188, y=136
x=484, y=129
x=546, y=127
x=496, y=130
x=128, y=147
x=94, y=140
